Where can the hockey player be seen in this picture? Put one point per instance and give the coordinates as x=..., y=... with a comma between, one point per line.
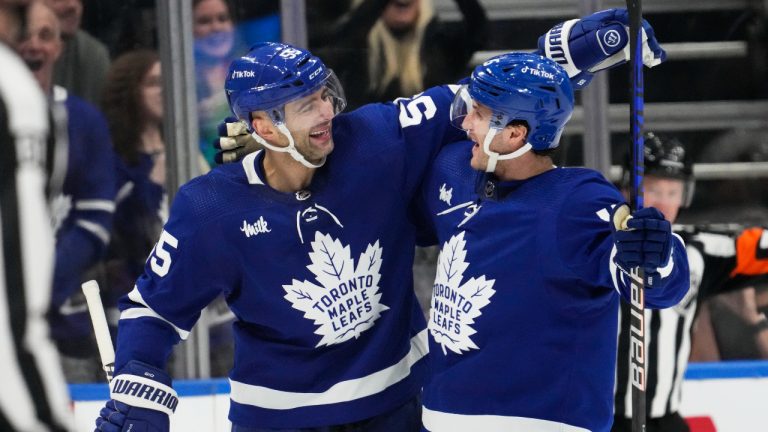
x=523, y=318
x=82, y=212
x=719, y=261
x=312, y=250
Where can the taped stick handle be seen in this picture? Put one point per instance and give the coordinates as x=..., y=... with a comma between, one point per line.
x=100, y=328
x=621, y=217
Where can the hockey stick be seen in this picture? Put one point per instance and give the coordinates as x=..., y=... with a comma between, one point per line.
x=638, y=364
x=100, y=328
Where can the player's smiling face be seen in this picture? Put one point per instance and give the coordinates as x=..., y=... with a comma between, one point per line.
x=309, y=120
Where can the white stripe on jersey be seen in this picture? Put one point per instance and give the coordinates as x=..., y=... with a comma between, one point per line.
x=99, y=231
x=344, y=391
x=15, y=397
x=95, y=204
x=146, y=311
x=665, y=366
x=437, y=421
x=719, y=245
x=250, y=168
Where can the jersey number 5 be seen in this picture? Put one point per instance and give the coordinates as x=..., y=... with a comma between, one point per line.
x=160, y=258
x=411, y=113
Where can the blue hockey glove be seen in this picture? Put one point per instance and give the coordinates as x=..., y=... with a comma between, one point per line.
x=234, y=141
x=644, y=240
x=596, y=42
x=142, y=401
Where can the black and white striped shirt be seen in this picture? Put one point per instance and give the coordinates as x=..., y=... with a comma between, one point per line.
x=720, y=259
x=34, y=394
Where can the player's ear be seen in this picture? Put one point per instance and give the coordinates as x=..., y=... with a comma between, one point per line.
x=516, y=133
x=262, y=125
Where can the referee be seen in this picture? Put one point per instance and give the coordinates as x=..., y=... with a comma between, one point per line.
x=718, y=262
x=34, y=394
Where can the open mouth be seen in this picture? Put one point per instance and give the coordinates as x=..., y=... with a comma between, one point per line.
x=34, y=65
x=321, y=135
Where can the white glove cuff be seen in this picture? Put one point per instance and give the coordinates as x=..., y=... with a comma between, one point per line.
x=556, y=47
x=142, y=392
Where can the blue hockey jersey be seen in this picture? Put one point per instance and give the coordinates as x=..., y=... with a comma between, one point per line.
x=327, y=330
x=82, y=216
x=523, y=319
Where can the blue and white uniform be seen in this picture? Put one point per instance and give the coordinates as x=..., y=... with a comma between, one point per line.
x=327, y=330
x=524, y=307
x=82, y=215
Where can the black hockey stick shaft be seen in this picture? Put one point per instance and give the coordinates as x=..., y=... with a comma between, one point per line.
x=638, y=358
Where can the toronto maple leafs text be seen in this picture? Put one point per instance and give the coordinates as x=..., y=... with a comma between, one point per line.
x=346, y=303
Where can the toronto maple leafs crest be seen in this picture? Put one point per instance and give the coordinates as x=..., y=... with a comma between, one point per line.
x=344, y=300
x=455, y=305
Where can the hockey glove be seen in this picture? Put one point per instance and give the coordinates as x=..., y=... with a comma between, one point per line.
x=234, y=141
x=596, y=42
x=142, y=401
x=645, y=240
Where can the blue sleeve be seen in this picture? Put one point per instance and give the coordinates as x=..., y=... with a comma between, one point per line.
x=424, y=126
x=76, y=251
x=139, y=199
x=94, y=191
x=81, y=244
x=187, y=269
x=586, y=246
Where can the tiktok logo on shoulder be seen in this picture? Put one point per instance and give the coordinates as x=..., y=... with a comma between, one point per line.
x=455, y=305
x=256, y=228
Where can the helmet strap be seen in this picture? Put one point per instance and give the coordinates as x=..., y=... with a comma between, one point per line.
x=290, y=148
x=494, y=157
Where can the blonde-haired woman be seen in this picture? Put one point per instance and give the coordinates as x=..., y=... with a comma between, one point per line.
x=386, y=49
x=410, y=49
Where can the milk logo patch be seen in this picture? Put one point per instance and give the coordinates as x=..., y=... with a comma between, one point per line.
x=455, y=305
x=257, y=227
x=446, y=194
x=344, y=299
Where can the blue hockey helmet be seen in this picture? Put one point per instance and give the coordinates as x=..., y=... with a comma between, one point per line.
x=273, y=74
x=520, y=86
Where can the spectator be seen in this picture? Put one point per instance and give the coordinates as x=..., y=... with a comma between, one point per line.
x=716, y=265
x=133, y=106
x=214, y=33
x=385, y=49
x=410, y=49
x=82, y=213
x=739, y=327
x=84, y=60
x=34, y=393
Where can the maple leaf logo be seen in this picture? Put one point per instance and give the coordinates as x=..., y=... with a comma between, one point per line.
x=347, y=300
x=454, y=305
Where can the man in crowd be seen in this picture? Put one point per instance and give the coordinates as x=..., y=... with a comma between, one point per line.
x=82, y=211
